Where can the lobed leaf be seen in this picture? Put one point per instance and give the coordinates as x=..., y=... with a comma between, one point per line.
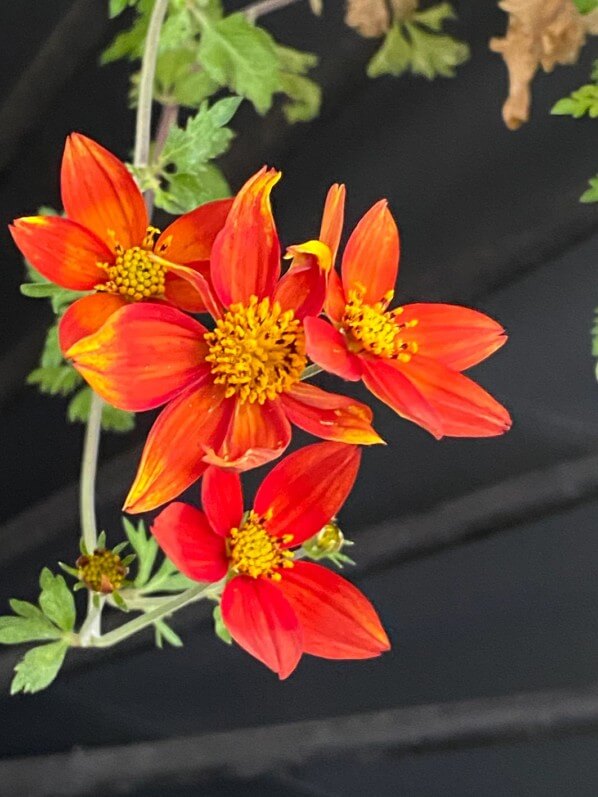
x=16, y=630
x=56, y=600
x=39, y=667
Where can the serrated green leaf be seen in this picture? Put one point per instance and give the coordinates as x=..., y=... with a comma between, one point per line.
x=586, y=6
x=39, y=667
x=165, y=632
x=296, y=61
x=582, y=102
x=129, y=43
x=220, y=629
x=181, y=80
x=305, y=98
x=59, y=381
x=435, y=16
x=146, y=548
x=113, y=419
x=56, y=600
x=16, y=630
x=393, y=57
x=185, y=192
x=239, y=55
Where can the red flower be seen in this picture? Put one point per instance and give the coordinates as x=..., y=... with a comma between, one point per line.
x=233, y=391
x=410, y=357
x=105, y=244
x=274, y=607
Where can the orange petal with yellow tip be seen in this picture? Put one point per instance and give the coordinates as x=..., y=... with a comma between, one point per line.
x=306, y=489
x=456, y=336
x=190, y=237
x=86, y=316
x=303, y=287
x=173, y=456
x=245, y=258
x=62, y=251
x=337, y=620
x=371, y=257
x=99, y=192
x=330, y=416
x=256, y=434
x=333, y=217
x=261, y=620
x=143, y=356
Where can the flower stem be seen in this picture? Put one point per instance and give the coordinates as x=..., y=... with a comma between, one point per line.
x=190, y=595
x=311, y=370
x=89, y=465
x=261, y=7
x=146, y=85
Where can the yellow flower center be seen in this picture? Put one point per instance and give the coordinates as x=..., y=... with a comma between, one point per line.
x=373, y=328
x=134, y=274
x=256, y=351
x=254, y=552
x=102, y=571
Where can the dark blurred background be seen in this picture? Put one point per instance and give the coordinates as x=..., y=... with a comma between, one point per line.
x=481, y=555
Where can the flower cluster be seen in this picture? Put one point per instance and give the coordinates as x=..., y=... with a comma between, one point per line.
x=233, y=387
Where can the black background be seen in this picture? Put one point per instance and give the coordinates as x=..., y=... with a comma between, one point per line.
x=488, y=218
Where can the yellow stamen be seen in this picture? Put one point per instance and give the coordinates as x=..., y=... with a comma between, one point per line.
x=372, y=328
x=254, y=552
x=257, y=351
x=134, y=274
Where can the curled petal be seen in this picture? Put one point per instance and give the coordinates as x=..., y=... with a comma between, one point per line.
x=337, y=620
x=303, y=287
x=464, y=408
x=456, y=336
x=62, y=251
x=246, y=253
x=222, y=499
x=197, y=282
x=256, y=434
x=371, y=257
x=143, y=356
x=86, y=316
x=99, y=192
x=173, y=456
x=179, y=292
x=306, y=489
x=190, y=237
x=327, y=347
x=330, y=416
x=392, y=386
x=335, y=302
x=333, y=218
x=261, y=620
x=186, y=538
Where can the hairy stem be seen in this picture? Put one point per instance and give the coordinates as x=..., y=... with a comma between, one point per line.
x=89, y=466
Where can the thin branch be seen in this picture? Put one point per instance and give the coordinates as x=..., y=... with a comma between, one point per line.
x=262, y=7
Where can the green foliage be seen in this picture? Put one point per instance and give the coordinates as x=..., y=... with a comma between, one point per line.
x=164, y=633
x=113, y=419
x=166, y=578
x=304, y=95
x=585, y=6
x=116, y=7
x=220, y=629
x=590, y=194
x=582, y=102
x=56, y=600
x=129, y=43
x=417, y=44
x=39, y=667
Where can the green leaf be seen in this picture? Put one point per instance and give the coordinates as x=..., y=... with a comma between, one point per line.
x=16, y=630
x=129, y=43
x=113, y=419
x=185, y=192
x=220, y=629
x=116, y=7
x=26, y=609
x=304, y=95
x=582, y=102
x=393, y=57
x=56, y=600
x=237, y=54
x=165, y=633
x=39, y=667
x=591, y=194
x=180, y=78
x=586, y=6
x=146, y=548
x=57, y=381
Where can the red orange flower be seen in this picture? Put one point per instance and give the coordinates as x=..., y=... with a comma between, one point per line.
x=105, y=244
x=233, y=391
x=410, y=357
x=275, y=607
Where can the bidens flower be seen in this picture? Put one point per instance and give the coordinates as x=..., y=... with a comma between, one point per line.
x=276, y=607
x=105, y=244
x=233, y=391
x=410, y=357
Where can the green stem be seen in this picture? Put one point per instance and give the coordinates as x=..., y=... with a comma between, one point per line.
x=146, y=84
x=191, y=595
x=311, y=370
x=89, y=466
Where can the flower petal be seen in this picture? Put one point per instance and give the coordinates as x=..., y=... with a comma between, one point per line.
x=62, y=251
x=99, y=192
x=456, y=336
x=333, y=217
x=329, y=415
x=143, y=356
x=391, y=385
x=327, y=347
x=464, y=408
x=181, y=293
x=261, y=620
x=257, y=433
x=199, y=283
x=185, y=536
x=173, y=456
x=246, y=254
x=222, y=499
x=303, y=287
x=335, y=301
x=190, y=237
x=306, y=489
x=337, y=620
x=371, y=257
x=86, y=316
